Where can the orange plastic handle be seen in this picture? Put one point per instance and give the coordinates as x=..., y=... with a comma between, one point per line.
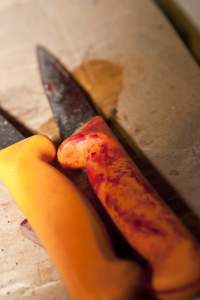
x=66, y=224
x=143, y=218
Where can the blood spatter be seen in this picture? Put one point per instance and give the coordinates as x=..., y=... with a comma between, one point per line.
x=95, y=179
x=137, y=222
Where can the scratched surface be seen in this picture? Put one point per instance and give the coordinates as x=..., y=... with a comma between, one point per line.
x=153, y=96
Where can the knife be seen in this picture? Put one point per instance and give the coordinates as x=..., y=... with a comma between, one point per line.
x=142, y=217
x=63, y=219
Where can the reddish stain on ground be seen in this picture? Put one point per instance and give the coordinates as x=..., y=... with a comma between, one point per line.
x=103, y=81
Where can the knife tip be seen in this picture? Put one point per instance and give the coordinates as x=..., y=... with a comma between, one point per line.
x=46, y=60
x=42, y=53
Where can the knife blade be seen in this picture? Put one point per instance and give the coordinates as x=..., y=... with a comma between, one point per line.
x=70, y=103
x=142, y=217
x=8, y=133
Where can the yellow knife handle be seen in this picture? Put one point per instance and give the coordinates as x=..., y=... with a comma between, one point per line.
x=66, y=224
x=134, y=206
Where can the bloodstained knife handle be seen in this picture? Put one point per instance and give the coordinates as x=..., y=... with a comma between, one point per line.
x=137, y=210
x=66, y=224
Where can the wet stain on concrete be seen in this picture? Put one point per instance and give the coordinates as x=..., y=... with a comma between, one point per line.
x=103, y=81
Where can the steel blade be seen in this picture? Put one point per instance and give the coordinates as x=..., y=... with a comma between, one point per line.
x=70, y=103
x=8, y=133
